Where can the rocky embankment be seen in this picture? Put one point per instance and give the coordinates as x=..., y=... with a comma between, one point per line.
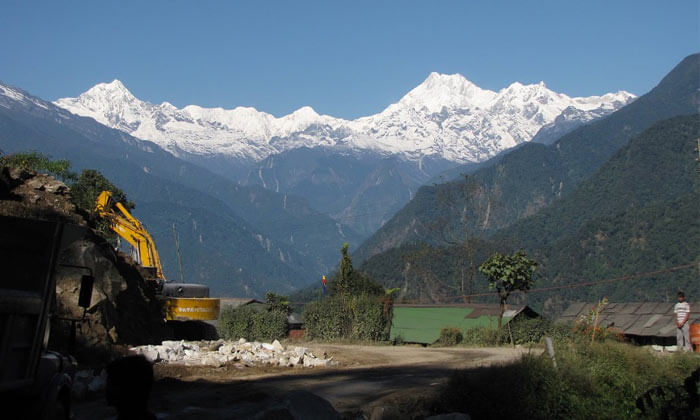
x=124, y=310
x=240, y=353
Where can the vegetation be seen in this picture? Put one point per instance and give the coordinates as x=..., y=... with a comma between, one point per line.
x=39, y=162
x=251, y=323
x=355, y=307
x=619, y=222
x=450, y=336
x=507, y=273
x=606, y=380
x=89, y=185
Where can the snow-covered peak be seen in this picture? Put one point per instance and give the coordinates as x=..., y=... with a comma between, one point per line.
x=446, y=90
x=446, y=116
x=114, y=90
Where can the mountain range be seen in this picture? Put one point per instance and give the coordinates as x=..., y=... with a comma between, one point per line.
x=240, y=240
x=359, y=172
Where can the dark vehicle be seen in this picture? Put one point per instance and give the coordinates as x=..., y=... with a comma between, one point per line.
x=35, y=382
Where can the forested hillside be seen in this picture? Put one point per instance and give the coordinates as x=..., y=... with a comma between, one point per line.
x=640, y=212
x=532, y=177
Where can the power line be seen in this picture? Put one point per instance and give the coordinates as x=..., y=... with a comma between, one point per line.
x=572, y=285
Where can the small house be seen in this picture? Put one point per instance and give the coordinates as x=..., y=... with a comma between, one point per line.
x=640, y=322
x=422, y=323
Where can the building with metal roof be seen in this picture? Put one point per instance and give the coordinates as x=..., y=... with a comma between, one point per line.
x=422, y=323
x=642, y=322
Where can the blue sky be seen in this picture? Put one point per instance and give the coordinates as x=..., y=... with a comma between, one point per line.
x=346, y=59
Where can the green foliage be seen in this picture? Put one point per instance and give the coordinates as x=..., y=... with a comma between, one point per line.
x=507, y=273
x=598, y=380
x=327, y=319
x=349, y=282
x=89, y=185
x=252, y=324
x=39, y=162
x=356, y=317
x=482, y=336
x=450, y=336
x=277, y=302
x=525, y=331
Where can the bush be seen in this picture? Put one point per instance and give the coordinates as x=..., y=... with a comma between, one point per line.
x=593, y=380
x=355, y=317
x=450, y=336
x=482, y=336
x=524, y=331
x=251, y=324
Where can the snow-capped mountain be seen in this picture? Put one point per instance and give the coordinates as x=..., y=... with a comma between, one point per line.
x=446, y=116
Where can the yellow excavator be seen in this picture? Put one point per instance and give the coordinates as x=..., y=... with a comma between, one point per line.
x=181, y=301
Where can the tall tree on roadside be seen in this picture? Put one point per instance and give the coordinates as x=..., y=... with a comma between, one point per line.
x=507, y=273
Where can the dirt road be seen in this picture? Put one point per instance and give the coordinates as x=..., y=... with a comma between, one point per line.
x=367, y=379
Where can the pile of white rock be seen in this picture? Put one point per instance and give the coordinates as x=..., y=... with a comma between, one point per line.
x=241, y=353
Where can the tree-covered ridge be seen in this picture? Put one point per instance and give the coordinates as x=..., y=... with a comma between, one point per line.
x=532, y=177
x=658, y=165
x=639, y=212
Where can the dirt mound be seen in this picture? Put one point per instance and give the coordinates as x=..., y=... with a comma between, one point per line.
x=124, y=310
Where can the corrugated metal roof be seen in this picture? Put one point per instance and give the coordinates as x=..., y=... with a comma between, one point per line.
x=422, y=323
x=647, y=319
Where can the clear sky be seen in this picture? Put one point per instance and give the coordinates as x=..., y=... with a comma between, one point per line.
x=343, y=58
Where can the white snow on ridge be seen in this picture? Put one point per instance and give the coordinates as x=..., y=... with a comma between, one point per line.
x=446, y=116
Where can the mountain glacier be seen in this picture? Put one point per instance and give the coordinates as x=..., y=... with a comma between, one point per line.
x=446, y=117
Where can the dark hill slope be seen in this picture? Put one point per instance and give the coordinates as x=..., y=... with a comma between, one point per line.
x=533, y=176
x=656, y=166
x=639, y=212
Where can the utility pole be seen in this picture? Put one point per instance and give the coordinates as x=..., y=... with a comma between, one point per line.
x=177, y=249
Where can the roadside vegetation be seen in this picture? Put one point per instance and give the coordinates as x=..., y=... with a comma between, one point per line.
x=592, y=380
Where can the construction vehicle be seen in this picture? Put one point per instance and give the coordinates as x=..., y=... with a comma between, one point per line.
x=181, y=301
x=35, y=382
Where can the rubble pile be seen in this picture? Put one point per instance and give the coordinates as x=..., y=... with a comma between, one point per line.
x=241, y=353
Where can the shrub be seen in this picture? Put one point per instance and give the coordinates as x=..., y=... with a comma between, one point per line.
x=251, y=324
x=450, y=336
x=482, y=336
x=356, y=317
x=39, y=162
x=593, y=380
x=327, y=319
x=368, y=321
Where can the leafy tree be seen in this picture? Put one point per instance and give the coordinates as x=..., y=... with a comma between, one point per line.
x=278, y=303
x=89, y=185
x=507, y=273
x=39, y=162
x=348, y=282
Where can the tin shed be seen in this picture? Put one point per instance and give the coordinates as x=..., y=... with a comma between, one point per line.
x=422, y=323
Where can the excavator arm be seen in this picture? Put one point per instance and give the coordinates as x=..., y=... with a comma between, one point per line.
x=131, y=230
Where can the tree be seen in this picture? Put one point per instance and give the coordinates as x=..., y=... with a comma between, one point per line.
x=89, y=185
x=507, y=273
x=277, y=302
x=348, y=282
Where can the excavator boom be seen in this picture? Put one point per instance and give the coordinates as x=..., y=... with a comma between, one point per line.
x=182, y=301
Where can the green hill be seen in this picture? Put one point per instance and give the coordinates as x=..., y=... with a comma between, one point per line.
x=640, y=212
x=532, y=177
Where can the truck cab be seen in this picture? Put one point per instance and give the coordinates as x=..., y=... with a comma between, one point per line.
x=35, y=382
